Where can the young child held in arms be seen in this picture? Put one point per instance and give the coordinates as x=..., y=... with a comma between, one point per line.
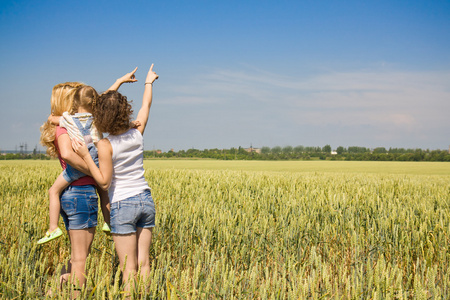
x=79, y=126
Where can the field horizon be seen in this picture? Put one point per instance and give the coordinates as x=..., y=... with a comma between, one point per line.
x=325, y=166
x=321, y=166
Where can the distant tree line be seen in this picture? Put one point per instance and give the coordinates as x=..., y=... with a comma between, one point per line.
x=308, y=153
x=9, y=156
x=286, y=153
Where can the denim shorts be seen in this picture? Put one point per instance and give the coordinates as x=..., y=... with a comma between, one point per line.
x=133, y=212
x=71, y=174
x=79, y=207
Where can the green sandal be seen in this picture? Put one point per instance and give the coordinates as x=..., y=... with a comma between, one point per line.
x=50, y=236
x=106, y=228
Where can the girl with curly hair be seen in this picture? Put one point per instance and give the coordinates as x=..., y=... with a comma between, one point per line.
x=121, y=171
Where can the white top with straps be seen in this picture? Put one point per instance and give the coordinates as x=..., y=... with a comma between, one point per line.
x=128, y=165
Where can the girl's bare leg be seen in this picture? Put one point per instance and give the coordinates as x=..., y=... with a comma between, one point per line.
x=104, y=203
x=55, y=205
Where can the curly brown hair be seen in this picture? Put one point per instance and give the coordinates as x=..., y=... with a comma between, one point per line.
x=112, y=113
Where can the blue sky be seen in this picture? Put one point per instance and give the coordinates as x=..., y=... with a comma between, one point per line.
x=235, y=73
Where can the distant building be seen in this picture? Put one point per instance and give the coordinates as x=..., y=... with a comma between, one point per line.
x=253, y=150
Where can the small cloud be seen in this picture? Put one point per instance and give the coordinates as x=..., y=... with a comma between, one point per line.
x=188, y=100
x=402, y=120
x=17, y=127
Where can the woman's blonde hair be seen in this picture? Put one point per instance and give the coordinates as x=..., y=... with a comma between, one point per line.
x=61, y=101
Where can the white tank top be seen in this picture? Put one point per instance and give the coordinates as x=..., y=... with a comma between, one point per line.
x=128, y=165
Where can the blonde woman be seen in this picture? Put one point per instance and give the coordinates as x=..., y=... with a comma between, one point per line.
x=79, y=202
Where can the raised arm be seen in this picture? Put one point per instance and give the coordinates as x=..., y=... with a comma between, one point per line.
x=144, y=112
x=129, y=77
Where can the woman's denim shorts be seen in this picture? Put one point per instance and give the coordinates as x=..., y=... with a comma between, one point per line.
x=133, y=212
x=79, y=207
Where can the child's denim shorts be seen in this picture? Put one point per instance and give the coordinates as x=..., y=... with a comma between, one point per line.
x=133, y=212
x=71, y=174
x=79, y=207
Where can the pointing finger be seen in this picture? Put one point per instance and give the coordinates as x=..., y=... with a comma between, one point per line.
x=151, y=68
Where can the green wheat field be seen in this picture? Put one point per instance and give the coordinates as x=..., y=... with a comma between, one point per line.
x=250, y=230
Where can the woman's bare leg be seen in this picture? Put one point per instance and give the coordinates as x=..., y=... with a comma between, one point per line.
x=126, y=247
x=65, y=273
x=144, y=239
x=81, y=241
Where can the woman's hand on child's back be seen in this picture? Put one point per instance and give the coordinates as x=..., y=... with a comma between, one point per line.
x=135, y=124
x=80, y=148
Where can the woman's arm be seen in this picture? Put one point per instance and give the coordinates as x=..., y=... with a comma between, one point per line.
x=129, y=77
x=144, y=112
x=69, y=156
x=103, y=174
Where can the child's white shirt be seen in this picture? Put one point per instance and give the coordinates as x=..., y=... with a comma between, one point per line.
x=68, y=123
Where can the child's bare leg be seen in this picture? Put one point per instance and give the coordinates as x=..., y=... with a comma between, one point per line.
x=104, y=203
x=55, y=205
